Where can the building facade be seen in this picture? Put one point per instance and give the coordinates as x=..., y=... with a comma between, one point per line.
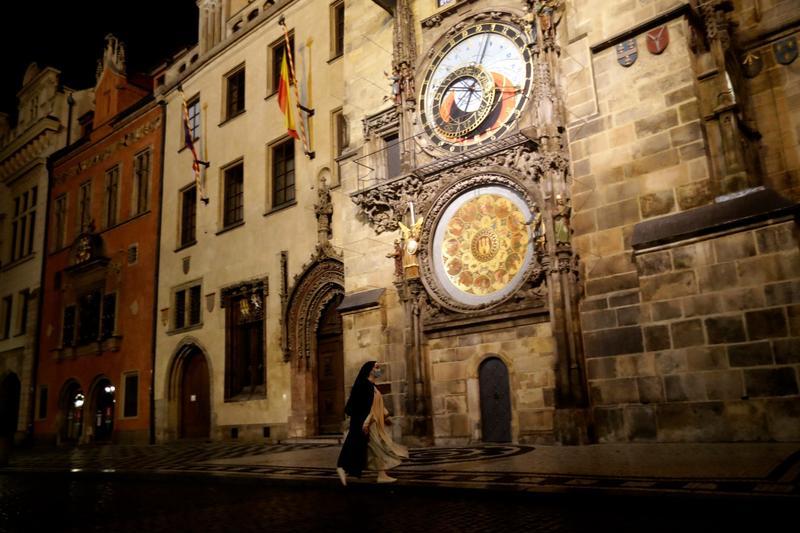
x=46, y=121
x=591, y=209
x=95, y=353
x=254, y=226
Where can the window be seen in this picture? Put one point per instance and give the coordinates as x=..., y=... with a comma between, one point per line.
x=441, y=3
x=234, y=195
x=193, y=109
x=278, y=47
x=244, y=354
x=188, y=215
x=84, y=206
x=8, y=304
x=392, y=150
x=109, y=325
x=68, y=331
x=339, y=136
x=23, y=225
x=89, y=304
x=112, y=194
x=234, y=104
x=133, y=254
x=131, y=395
x=337, y=28
x=141, y=181
x=283, y=173
x=60, y=229
x=24, y=296
x=187, y=307
x=42, y=413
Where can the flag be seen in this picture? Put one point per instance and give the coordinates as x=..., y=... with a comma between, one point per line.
x=188, y=140
x=284, y=98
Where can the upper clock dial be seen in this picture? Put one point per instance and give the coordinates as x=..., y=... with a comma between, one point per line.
x=477, y=86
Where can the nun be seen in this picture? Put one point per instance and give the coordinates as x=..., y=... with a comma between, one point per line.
x=367, y=444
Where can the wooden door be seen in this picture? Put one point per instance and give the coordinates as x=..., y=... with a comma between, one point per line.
x=330, y=370
x=195, y=398
x=9, y=405
x=495, y=401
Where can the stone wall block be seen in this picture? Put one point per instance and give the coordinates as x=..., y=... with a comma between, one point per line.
x=656, y=123
x=671, y=362
x=629, y=316
x=775, y=238
x=613, y=342
x=599, y=320
x=767, y=323
x=693, y=255
x=725, y=385
x=650, y=389
x=698, y=421
x=683, y=387
x=787, y=292
x=781, y=381
x=787, y=351
x=618, y=214
x=750, y=354
x=687, y=333
x=667, y=286
x=602, y=368
x=612, y=284
x=697, y=193
x=723, y=329
x=620, y=300
x=686, y=133
x=735, y=246
x=793, y=314
x=656, y=338
x=783, y=418
x=717, y=277
x=741, y=299
x=657, y=203
x=614, y=391
x=706, y=358
x=640, y=422
x=653, y=263
x=665, y=310
x=610, y=424
x=703, y=304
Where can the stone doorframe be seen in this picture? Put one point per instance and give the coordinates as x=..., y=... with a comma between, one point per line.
x=185, y=348
x=474, y=395
x=89, y=407
x=319, y=283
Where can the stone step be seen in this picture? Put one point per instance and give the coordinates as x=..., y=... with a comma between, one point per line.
x=317, y=439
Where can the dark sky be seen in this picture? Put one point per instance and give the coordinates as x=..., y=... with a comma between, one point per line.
x=69, y=36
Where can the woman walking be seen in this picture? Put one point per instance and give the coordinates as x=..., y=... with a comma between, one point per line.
x=367, y=444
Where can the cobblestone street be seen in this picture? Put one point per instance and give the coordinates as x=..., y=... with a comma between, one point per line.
x=42, y=502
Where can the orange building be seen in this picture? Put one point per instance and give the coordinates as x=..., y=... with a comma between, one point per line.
x=96, y=349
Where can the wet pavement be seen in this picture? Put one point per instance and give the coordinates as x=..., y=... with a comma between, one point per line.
x=156, y=502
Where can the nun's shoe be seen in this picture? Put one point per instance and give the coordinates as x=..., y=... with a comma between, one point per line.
x=386, y=479
x=342, y=475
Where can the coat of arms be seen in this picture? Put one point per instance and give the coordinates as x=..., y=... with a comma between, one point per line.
x=657, y=40
x=785, y=50
x=627, y=53
x=752, y=64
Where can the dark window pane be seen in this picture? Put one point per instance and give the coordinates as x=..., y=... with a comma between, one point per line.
x=180, y=309
x=68, y=334
x=23, y=325
x=109, y=314
x=89, y=317
x=234, y=195
x=188, y=215
x=338, y=47
x=277, y=57
x=194, y=301
x=283, y=173
x=245, y=356
x=392, y=144
x=236, y=93
x=7, y=308
x=31, y=230
x=131, y=395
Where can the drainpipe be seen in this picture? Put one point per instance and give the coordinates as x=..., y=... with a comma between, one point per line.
x=163, y=107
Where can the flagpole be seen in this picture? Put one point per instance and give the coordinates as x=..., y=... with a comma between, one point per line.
x=203, y=124
x=300, y=108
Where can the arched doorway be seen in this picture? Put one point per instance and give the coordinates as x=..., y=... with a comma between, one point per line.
x=495, y=401
x=71, y=407
x=312, y=305
x=330, y=369
x=9, y=405
x=194, y=395
x=102, y=409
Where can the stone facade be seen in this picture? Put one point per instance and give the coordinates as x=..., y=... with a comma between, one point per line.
x=46, y=121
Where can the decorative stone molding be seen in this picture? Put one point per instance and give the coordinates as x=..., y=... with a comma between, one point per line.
x=381, y=122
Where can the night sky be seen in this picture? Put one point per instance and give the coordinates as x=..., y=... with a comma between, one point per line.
x=70, y=37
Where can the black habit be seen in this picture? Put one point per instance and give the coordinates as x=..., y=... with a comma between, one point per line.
x=353, y=457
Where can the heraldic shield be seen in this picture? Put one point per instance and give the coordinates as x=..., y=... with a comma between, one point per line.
x=786, y=50
x=627, y=52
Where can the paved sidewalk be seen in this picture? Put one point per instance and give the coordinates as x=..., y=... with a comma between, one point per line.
x=748, y=469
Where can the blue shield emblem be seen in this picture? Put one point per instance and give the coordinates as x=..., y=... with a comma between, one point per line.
x=627, y=53
x=786, y=50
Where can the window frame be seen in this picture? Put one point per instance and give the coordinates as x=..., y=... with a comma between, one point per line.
x=274, y=66
x=227, y=172
x=186, y=289
x=273, y=147
x=41, y=403
x=7, y=313
x=60, y=221
x=138, y=178
x=84, y=202
x=235, y=72
x=124, y=380
x=181, y=220
x=339, y=142
x=112, y=172
x=233, y=329
x=336, y=29
x=23, y=224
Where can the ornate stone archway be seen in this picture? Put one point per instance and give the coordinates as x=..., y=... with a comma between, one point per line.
x=320, y=282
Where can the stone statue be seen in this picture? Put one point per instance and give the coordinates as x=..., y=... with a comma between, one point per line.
x=561, y=216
